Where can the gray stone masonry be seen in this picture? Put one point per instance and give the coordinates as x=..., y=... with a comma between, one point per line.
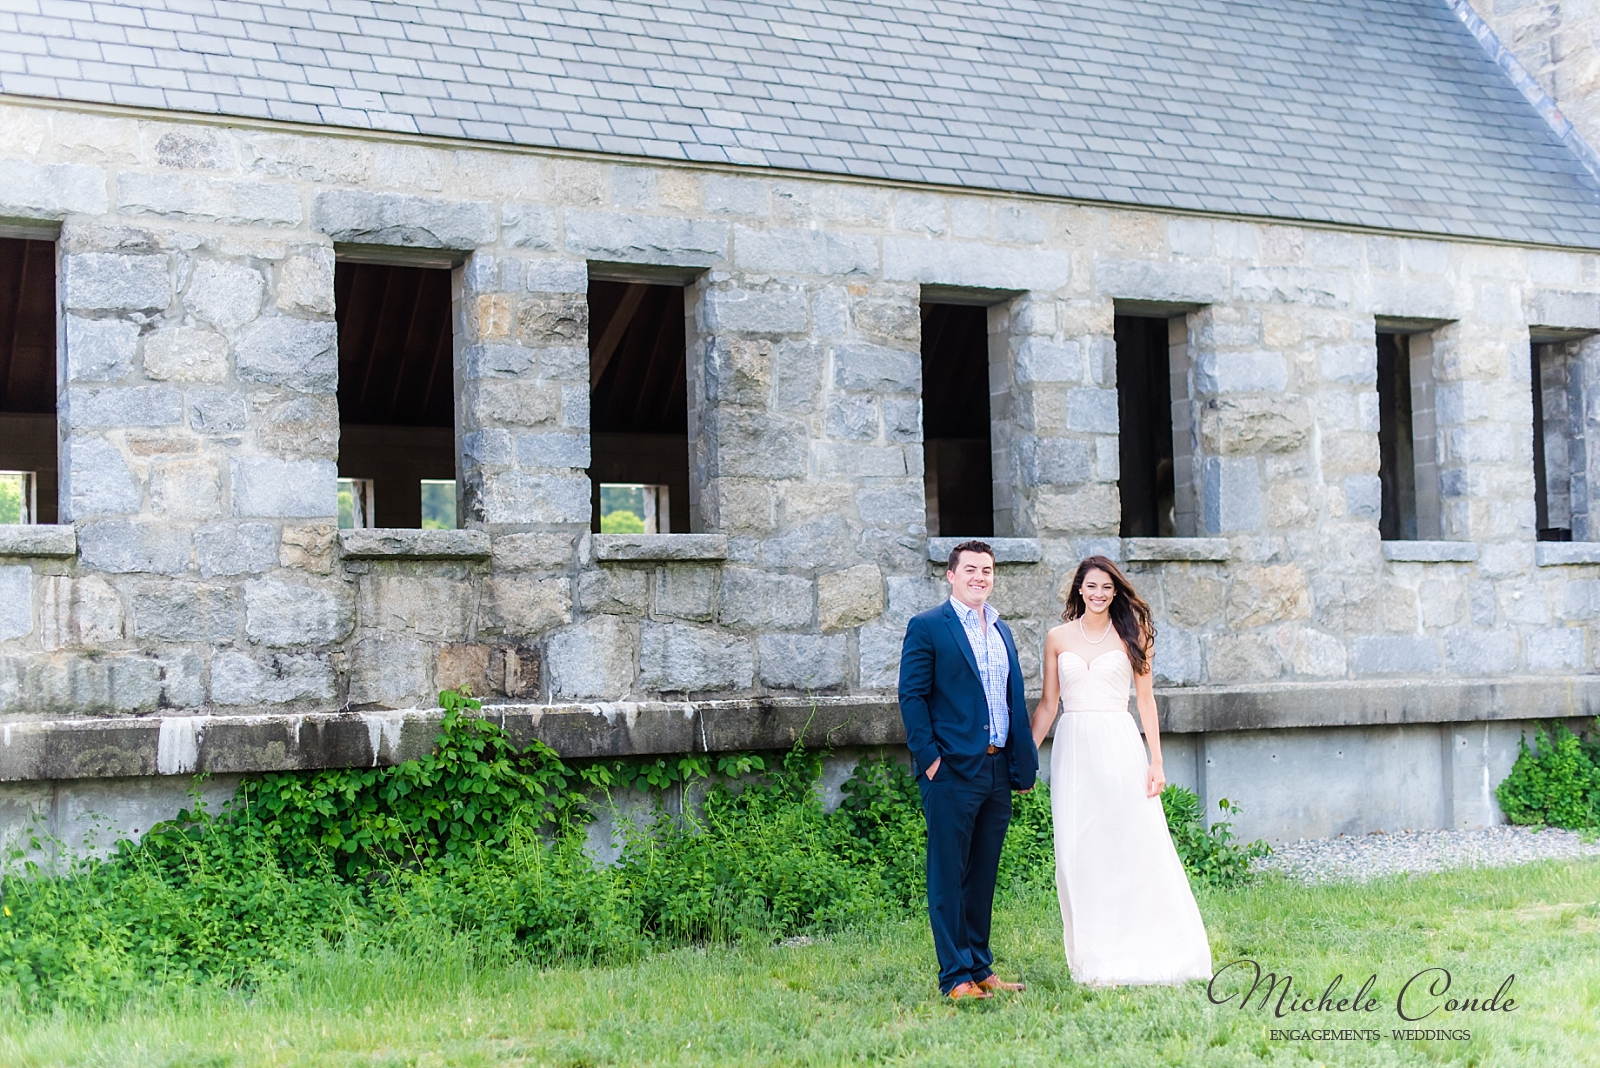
x=1430, y=552
x=1006, y=550
x=1175, y=549
x=613, y=548
x=1554, y=43
x=200, y=435
x=38, y=541
x=415, y=544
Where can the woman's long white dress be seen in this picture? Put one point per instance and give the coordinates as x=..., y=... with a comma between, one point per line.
x=1126, y=908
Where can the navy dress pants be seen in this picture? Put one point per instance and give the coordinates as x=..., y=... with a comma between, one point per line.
x=967, y=821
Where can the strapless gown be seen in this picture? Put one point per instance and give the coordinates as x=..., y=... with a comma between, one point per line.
x=1126, y=909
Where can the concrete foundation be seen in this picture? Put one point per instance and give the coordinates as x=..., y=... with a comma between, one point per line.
x=1328, y=781
x=40, y=822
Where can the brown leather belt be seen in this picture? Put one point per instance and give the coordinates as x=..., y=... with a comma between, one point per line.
x=992, y=750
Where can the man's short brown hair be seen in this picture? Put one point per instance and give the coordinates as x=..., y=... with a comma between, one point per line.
x=969, y=547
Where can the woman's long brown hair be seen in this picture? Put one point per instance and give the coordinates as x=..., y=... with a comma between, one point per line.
x=1129, y=612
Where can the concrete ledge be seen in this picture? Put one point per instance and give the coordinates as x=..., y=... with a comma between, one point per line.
x=406, y=544
x=649, y=728
x=626, y=547
x=1175, y=548
x=1006, y=550
x=1557, y=553
x=1430, y=552
x=1192, y=709
x=184, y=745
x=39, y=540
x=40, y=750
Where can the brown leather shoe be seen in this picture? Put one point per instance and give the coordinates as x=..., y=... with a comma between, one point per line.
x=992, y=983
x=963, y=991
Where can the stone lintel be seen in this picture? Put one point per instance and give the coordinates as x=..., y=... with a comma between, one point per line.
x=1403, y=324
x=353, y=216
x=1156, y=309
x=1175, y=548
x=1006, y=550
x=1431, y=552
x=1556, y=553
x=38, y=750
x=39, y=540
x=973, y=296
x=668, y=547
x=407, y=544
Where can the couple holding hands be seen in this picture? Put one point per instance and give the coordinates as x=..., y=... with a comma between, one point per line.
x=1126, y=908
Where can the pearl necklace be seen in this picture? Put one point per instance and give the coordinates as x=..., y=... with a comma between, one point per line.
x=1093, y=641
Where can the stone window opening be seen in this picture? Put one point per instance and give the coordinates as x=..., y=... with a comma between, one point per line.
x=957, y=442
x=1155, y=478
x=1408, y=464
x=638, y=406
x=356, y=504
x=397, y=451
x=1560, y=450
x=635, y=508
x=28, y=436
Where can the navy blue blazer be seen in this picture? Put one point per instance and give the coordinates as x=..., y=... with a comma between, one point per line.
x=943, y=705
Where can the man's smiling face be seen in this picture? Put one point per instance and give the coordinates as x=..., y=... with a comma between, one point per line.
x=973, y=578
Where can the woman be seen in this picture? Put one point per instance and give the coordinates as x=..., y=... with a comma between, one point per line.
x=1126, y=908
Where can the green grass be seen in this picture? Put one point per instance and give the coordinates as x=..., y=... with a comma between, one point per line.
x=868, y=996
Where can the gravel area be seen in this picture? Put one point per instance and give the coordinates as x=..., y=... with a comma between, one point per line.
x=1370, y=856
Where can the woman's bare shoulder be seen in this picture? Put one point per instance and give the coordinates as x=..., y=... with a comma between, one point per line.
x=1056, y=636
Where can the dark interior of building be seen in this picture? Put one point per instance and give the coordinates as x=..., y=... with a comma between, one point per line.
x=1397, y=468
x=958, y=470
x=1144, y=413
x=396, y=383
x=638, y=392
x=1547, y=526
x=28, y=367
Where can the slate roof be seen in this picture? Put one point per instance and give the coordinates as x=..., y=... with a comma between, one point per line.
x=1384, y=113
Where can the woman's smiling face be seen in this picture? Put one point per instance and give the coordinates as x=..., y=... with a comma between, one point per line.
x=1097, y=591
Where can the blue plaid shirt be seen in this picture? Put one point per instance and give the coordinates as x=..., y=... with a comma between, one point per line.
x=994, y=665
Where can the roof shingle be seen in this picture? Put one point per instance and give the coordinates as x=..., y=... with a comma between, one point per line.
x=1381, y=113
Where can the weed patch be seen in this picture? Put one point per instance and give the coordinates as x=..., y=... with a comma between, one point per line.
x=480, y=845
x=1556, y=783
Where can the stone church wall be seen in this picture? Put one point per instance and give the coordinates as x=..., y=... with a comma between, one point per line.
x=198, y=569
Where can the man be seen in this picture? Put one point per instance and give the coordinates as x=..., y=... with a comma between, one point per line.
x=961, y=696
